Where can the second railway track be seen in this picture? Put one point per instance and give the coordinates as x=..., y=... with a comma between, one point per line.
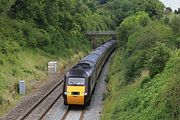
x=29, y=113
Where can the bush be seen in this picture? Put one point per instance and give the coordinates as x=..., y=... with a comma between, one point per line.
x=157, y=58
x=145, y=81
x=133, y=65
x=177, y=42
x=175, y=24
x=1, y=62
x=130, y=25
x=142, y=42
x=9, y=46
x=172, y=97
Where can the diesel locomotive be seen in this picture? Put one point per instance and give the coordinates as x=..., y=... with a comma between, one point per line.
x=80, y=80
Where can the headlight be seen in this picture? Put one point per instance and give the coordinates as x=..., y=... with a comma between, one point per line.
x=66, y=93
x=83, y=93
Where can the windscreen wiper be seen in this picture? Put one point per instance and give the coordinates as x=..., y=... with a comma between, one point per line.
x=74, y=83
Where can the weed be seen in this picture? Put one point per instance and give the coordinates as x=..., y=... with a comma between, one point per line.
x=1, y=62
x=14, y=71
x=1, y=100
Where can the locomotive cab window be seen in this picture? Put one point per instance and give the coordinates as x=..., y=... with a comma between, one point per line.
x=76, y=81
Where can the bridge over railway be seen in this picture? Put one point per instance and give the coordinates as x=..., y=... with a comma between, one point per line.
x=94, y=35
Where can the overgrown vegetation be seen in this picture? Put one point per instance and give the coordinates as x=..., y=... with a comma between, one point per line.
x=33, y=32
x=146, y=98
x=144, y=77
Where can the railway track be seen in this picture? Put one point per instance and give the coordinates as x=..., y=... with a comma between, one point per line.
x=67, y=115
x=43, y=99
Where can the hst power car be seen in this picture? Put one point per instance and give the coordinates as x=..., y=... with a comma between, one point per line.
x=80, y=80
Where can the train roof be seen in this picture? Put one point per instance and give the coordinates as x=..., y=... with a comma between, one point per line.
x=98, y=52
x=94, y=56
x=91, y=58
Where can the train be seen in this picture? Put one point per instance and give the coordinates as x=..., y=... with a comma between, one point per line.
x=81, y=79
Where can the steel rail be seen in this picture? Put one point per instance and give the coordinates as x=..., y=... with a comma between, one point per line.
x=50, y=107
x=65, y=114
x=29, y=111
x=82, y=115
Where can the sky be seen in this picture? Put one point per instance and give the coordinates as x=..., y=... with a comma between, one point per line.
x=174, y=4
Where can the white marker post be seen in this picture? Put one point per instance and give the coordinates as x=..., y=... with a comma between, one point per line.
x=52, y=69
x=22, y=87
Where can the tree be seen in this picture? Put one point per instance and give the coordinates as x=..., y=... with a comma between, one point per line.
x=130, y=25
x=168, y=10
x=177, y=11
x=124, y=8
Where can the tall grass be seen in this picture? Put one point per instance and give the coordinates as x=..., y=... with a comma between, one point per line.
x=31, y=66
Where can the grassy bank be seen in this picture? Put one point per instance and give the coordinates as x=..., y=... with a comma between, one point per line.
x=145, y=98
x=28, y=65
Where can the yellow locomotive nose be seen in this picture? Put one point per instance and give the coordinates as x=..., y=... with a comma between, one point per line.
x=75, y=95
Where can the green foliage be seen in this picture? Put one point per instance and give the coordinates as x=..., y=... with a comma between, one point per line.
x=124, y=8
x=43, y=24
x=3, y=83
x=157, y=58
x=147, y=98
x=1, y=100
x=1, y=62
x=138, y=36
x=5, y=6
x=177, y=42
x=130, y=25
x=174, y=24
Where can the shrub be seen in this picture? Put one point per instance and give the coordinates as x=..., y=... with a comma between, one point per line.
x=157, y=58
x=9, y=46
x=145, y=81
x=130, y=25
x=142, y=42
x=1, y=62
x=173, y=98
x=133, y=65
x=175, y=24
x=177, y=42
